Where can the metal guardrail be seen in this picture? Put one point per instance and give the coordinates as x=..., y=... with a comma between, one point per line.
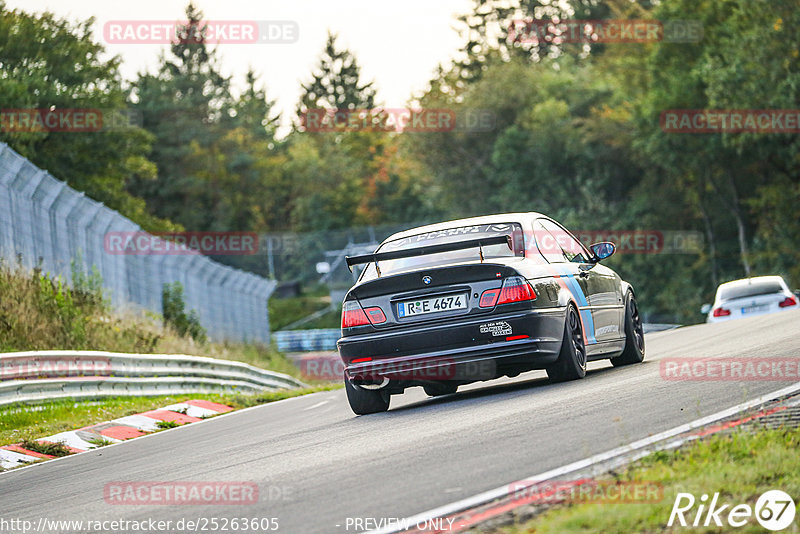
x=51, y=375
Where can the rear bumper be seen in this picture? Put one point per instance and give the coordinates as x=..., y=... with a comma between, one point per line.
x=464, y=350
x=739, y=315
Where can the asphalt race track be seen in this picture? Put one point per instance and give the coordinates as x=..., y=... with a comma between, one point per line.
x=316, y=464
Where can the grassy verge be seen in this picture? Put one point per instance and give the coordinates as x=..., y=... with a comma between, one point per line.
x=331, y=319
x=19, y=423
x=284, y=312
x=41, y=313
x=740, y=466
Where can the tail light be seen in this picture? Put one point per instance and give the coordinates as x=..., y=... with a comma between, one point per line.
x=353, y=315
x=375, y=315
x=788, y=301
x=721, y=312
x=516, y=289
x=489, y=298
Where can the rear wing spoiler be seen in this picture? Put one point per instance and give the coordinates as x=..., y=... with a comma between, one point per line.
x=430, y=249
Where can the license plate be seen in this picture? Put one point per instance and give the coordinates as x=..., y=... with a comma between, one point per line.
x=753, y=309
x=432, y=305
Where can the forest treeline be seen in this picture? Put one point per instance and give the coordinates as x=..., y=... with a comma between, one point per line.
x=575, y=133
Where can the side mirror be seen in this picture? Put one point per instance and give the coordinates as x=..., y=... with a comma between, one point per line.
x=705, y=309
x=602, y=250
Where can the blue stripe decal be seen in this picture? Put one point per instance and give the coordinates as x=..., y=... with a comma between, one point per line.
x=586, y=315
x=587, y=320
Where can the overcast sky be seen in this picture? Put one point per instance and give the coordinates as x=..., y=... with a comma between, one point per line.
x=398, y=44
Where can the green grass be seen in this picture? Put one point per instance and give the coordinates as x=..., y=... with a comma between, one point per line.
x=259, y=356
x=740, y=466
x=53, y=449
x=332, y=319
x=100, y=442
x=164, y=425
x=283, y=312
x=41, y=313
x=18, y=423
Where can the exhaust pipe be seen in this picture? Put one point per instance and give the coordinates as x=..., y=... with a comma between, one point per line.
x=379, y=384
x=369, y=381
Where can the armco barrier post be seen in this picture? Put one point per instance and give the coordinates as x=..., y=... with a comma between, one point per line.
x=239, y=287
x=27, y=224
x=74, y=241
x=52, y=190
x=22, y=213
x=62, y=205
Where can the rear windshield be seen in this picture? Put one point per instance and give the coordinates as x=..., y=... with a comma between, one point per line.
x=451, y=235
x=750, y=290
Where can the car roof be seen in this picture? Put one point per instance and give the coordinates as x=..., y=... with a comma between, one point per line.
x=746, y=281
x=484, y=219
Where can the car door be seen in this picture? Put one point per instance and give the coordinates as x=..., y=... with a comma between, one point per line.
x=600, y=284
x=549, y=238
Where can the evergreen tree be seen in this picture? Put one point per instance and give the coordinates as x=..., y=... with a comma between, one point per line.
x=254, y=112
x=336, y=83
x=187, y=107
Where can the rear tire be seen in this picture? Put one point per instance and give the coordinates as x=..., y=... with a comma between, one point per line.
x=634, y=335
x=437, y=390
x=366, y=401
x=571, y=363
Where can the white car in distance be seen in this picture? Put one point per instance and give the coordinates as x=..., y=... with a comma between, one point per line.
x=748, y=297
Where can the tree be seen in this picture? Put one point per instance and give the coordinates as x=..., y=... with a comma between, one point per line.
x=760, y=38
x=499, y=30
x=329, y=181
x=51, y=64
x=254, y=112
x=187, y=106
x=682, y=78
x=336, y=83
x=332, y=170
x=400, y=189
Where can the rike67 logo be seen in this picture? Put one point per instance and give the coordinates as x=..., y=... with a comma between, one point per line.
x=774, y=510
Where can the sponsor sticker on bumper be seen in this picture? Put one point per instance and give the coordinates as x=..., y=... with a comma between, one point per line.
x=498, y=328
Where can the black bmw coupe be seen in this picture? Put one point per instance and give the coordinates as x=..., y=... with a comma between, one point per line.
x=475, y=299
